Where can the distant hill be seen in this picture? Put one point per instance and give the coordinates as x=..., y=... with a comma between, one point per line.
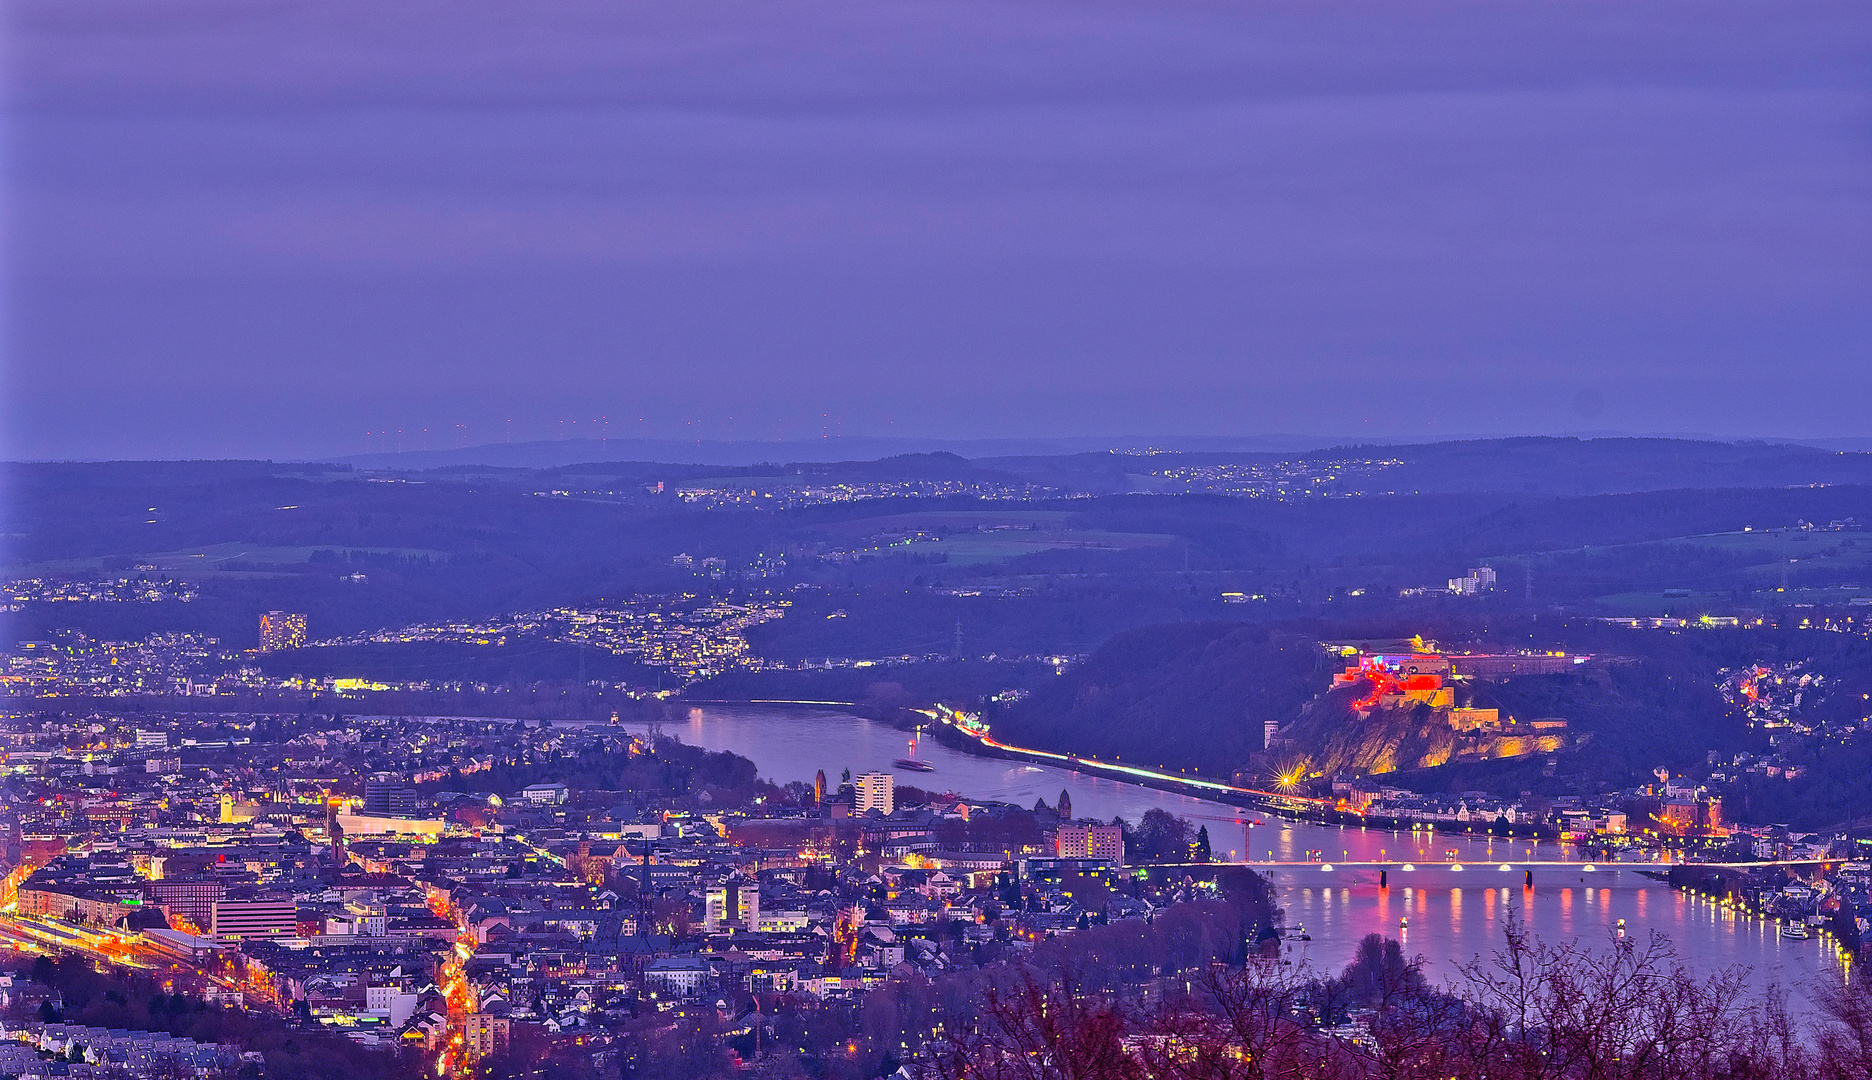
x=1550, y=466
x=1179, y=695
x=1516, y=466
x=552, y=453
x=1197, y=694
x=360, y=551
x=1575, y=454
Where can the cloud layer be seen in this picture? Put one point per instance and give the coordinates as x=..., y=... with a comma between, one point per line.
x=252, y=227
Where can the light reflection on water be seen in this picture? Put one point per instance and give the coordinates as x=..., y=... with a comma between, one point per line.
x=1450, y=926
x=1456, y=917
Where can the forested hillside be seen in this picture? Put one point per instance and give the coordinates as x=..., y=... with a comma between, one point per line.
x=1186, y=694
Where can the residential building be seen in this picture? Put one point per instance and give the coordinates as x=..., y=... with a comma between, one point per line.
x=282, y=630
x=1077, y=841
x=485, y=1036
x=677, y=975
x=734, y=902
x=545, y=793
x=192, y=899
x=875, y=791
x=254, y=918
x=387, y=795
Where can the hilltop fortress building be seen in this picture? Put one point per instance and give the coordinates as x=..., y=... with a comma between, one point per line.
x=1389, y=678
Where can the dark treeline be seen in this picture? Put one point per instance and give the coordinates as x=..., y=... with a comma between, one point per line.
x=79, y=994
x=540, y=701
x=882, y=694
x=523, y=662
x=1532, y=1012
x=1182, y=694
x=671, y=769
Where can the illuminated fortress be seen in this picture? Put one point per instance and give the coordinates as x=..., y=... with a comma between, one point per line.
x=1389, y=679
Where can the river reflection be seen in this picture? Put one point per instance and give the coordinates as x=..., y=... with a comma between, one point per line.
x=1456, y=916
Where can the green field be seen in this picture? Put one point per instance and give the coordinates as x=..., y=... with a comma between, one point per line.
x=939, y=521
x=1720, y=602
x=970, y=549
x=1770, y=567
x=211, y=559
x=1773, y=543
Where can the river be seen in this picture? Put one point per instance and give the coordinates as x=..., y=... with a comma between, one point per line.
x=1455, y=916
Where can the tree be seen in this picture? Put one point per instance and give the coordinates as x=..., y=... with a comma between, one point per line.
x=1202, y=844
x=1238, y=1024
x=1845, y=1031
x=1556, y=1011
x=1162, y=836
x=1033, y=1029
x=1533, y=1013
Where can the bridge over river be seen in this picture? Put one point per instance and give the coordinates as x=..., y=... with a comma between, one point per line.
x=1454, y=916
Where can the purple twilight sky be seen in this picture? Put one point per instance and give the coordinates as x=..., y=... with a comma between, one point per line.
x=271, y=228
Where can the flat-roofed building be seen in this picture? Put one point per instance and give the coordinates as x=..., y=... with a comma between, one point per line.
x=875, y=791
x=485, y=1035
x=1076, y=841
x=239, y=919
x=387, y=795
x=188, y=898
x=734, y=902
x=282, y=630
x=356, y=825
